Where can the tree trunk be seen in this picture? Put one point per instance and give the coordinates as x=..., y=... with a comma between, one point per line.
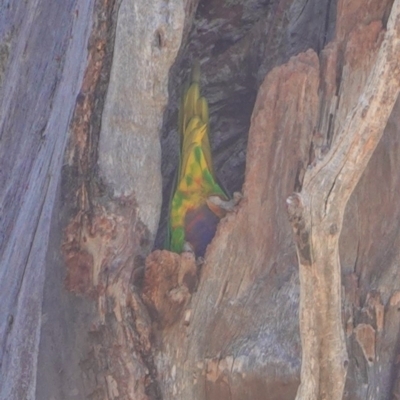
x=88, y=151
x=316, y=214
x=43, y=49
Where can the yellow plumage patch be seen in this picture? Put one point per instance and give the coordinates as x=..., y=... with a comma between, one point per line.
x=196, y=181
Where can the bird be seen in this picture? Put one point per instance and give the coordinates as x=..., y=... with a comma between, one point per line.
x=198, y=202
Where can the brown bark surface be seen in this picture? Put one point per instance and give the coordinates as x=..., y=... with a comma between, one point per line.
x=86, y=310
x=316, y=214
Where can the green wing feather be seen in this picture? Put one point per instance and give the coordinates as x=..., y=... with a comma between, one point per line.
x=196, y=180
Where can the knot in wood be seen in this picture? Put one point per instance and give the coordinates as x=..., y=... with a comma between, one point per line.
x=333, y=229
x=294, y=207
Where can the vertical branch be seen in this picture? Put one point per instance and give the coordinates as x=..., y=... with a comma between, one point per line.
x=316, y=215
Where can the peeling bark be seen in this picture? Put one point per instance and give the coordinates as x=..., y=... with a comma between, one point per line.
x=85, y=310
x=114, y=180
x=316, y=214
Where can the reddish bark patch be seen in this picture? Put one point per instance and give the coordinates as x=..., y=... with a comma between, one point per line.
x=80, y=270
x=168, y=283
x=365, y=336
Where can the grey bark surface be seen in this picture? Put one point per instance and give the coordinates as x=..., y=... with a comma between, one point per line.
x=41, y=77
x=89, y=94
x=129, y=149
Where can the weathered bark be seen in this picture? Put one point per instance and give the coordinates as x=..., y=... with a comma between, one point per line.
x=115, y=133
x=41, y=73
x=108, y=320
x=316, y=214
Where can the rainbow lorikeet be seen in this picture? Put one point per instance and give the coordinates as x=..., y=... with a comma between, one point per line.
x=199, y=201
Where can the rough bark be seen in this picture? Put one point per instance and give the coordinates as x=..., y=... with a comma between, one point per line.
x=41, y=76
x=316, y=214
x=108, y=320
x=114, y=185
x=288, y=105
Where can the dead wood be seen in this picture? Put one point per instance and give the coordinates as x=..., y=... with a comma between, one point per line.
x=316, y=214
